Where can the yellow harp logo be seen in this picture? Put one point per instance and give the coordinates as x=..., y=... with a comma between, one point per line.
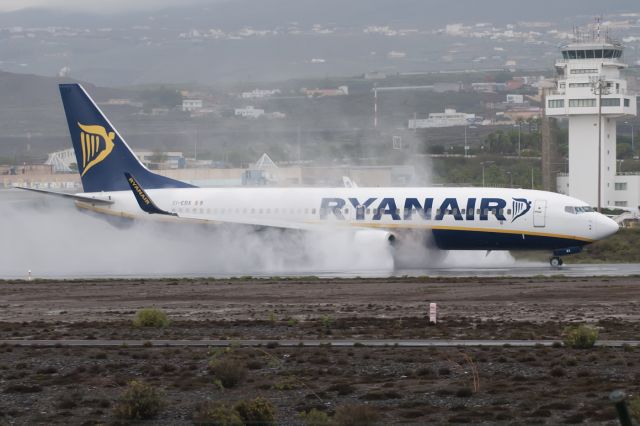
x=96, y=145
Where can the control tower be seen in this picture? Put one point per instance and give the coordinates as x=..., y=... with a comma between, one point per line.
x=589, y=86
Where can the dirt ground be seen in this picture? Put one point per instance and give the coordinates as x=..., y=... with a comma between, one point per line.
x=499, y=385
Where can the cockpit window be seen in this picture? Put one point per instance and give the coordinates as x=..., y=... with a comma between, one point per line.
x=578, y=209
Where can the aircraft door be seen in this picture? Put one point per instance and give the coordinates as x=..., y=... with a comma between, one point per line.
x=539, y=213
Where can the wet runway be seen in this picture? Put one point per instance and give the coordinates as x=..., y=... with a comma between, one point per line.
x=518, y=269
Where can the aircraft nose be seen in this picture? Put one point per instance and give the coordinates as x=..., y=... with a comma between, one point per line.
x=606, y=227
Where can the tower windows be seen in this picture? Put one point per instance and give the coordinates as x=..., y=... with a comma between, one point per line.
x=556, y=103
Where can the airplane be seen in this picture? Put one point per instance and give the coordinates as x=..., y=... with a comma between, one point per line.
x=116, y=183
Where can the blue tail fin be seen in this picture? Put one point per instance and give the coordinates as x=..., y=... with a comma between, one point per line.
x=102, y=154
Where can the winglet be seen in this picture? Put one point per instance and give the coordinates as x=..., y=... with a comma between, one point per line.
x=143, y=199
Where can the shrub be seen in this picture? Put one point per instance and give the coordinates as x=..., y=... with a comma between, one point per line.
x=315, y=418
x=229, y=372
x=258, y=412
x=580, y=336
x=634, y=407
x=216, y=414
x=150, y=317
x=356, y=415
x=139, y=401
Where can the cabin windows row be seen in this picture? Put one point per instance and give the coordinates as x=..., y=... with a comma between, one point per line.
x=239, y=211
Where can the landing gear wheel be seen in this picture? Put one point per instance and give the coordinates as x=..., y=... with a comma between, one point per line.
x=555, y=261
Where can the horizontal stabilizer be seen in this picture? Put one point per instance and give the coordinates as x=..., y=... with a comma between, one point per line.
x=82, y=198
x=143, y=199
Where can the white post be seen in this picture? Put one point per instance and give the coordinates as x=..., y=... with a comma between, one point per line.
x=433, y=313
x=29, y=275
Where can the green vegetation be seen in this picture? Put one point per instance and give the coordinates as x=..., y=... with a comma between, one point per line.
x=315, y=418
x=139, y=401
x=217, y=414
x=259, y=412
x=160, y=97
x=580, y=336
x=634, y=408
x=623, y=247
x=228, y=372
x=150, y=317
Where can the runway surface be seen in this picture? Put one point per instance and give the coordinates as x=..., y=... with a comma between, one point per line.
x=518, y=269
x=304, y=343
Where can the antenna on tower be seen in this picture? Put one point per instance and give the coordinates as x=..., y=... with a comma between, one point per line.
x=598, y=27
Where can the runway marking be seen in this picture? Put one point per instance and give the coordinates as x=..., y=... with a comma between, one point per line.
x=305, y=343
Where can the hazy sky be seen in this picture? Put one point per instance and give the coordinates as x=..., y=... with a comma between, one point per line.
x=109, y=6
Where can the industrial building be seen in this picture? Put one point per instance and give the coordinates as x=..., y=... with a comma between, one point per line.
x=448, y=118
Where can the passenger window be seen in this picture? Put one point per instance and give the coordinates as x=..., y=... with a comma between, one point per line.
x=368, y=211
x=313, y=211
x=253, y=211
x=508, y=211
x=478, y=211
x=463, y=211
x=346, y=211
x=268, y=211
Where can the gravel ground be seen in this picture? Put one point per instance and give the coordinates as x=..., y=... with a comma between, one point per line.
x=501, y=385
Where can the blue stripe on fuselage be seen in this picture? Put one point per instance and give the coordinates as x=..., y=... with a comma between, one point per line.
x=450, y=239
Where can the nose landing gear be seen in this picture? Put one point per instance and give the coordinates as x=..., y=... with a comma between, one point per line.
x=555, y=261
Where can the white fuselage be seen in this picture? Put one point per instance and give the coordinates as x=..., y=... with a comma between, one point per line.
x=458, y=218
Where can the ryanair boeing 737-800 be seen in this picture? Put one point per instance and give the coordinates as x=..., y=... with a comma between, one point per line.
x=116, y=183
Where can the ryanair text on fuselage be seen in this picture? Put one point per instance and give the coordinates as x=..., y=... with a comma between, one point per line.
x=472, y=208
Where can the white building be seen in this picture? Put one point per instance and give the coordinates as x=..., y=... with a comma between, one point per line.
x=162, y=160
x=449, y=118
x=189, y=105
x=585, y=65
x=259, y=94
x=61, y=161
x=515, y=99
x=249, y=112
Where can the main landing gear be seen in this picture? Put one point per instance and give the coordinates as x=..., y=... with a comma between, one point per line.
x=555, y=261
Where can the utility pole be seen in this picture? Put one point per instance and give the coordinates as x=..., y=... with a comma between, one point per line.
x=375, y=106
x=466, y=146
x=598, y=86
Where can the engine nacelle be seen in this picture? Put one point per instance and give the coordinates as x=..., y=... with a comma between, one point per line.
x=372, y=236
